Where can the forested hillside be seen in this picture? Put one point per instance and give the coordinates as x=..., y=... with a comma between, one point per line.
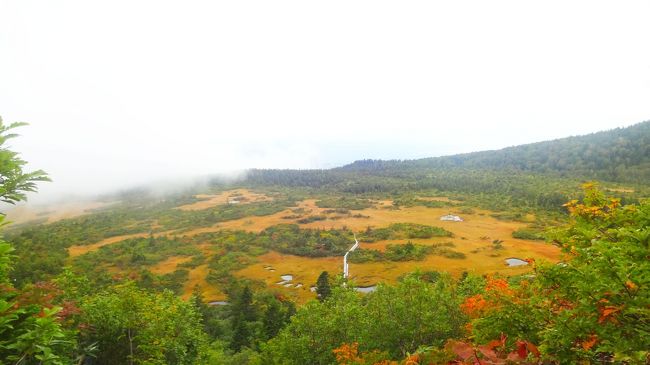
x=542, y=175
x=618, y=155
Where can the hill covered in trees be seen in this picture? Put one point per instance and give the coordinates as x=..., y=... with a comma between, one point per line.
x=618, y=155
x=540, y=175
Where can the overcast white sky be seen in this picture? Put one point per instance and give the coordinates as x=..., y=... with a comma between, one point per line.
x=124, y=92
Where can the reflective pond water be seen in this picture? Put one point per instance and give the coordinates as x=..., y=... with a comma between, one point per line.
x=513, y=261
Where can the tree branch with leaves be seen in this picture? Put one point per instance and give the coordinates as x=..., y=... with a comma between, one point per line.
x=14, y=182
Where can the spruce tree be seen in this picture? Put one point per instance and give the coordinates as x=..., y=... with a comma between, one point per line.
x=243, y=313
x=240, y=333
x=273, y=319
x=323, y=288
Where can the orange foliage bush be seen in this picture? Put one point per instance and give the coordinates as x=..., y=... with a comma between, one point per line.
x=499, y=286
x=347, y=354
x=473, y=306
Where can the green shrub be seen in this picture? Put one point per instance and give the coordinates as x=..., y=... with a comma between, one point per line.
x=528, y=234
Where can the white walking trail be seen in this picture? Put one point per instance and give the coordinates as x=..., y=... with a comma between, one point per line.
x=345, y=257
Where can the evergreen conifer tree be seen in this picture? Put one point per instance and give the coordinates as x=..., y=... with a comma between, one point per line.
x=323, y=288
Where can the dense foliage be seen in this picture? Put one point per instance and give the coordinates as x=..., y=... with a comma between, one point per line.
x=403, y=231
x=289, y=238
x=30, y=320
x=595, y=305
x=344, y=203
x=153, y=328
x=405, y=252
x=415, y=311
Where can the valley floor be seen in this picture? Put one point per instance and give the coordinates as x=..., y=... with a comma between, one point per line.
x=474, y=237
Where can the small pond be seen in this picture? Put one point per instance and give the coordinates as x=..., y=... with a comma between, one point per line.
x=287, y=277
x=366, y=289
x=513, y=261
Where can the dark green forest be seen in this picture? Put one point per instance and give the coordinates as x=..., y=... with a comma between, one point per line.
x=544, y=174
x=619, y=155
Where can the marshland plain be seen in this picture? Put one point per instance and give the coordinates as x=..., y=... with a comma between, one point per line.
x=205, y=258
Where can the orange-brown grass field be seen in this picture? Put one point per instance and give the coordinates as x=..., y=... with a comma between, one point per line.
x=472, y=237
x=169, y=265
x=197, y=281
x=238, y=196
x=78, y=250
x=305, y=271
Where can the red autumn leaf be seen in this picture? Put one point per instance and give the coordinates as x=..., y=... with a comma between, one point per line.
x=522, y=349
x=461, y=349
x=494, y=344
x=487, y=351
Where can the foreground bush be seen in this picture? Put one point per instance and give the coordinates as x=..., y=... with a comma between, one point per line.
x=394, y=320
